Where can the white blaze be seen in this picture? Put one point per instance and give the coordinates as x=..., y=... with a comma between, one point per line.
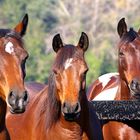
x=68, y=63
x=9, y=47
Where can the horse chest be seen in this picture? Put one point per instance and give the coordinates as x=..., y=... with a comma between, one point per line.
x=59, y=133
x=60, y=136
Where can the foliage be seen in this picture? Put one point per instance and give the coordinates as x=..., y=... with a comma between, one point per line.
x=94, y=66
x=47, y=17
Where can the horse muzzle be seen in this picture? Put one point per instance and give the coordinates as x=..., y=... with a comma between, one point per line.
x=71, y=112
x=17, y=103
x=135, y=89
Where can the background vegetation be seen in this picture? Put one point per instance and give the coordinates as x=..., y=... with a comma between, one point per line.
x=97, y=18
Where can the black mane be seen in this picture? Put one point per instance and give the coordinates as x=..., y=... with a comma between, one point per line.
x=4, y=32
x=130, y=35
x=10, y=33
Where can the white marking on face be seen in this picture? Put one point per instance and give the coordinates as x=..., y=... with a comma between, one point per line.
x=108, y=94
x=68, y=63
x=9, y=48
x=104, y=79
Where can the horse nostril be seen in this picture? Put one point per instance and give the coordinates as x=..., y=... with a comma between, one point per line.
x=12, y=98
x=64, y=108
x=135, y=85
x=25, y=96
x=12, y=95
x=77, y=108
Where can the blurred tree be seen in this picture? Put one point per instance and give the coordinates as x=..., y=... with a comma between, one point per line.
x=94, y=66
x=69, y=18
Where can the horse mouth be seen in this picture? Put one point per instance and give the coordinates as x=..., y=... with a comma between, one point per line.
x=135, y=93
x=17, y=111
x=136, y=96
x=71, y=116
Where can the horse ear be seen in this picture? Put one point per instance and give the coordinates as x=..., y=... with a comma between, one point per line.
x=122, y=27
x=83, y=41
x=22, y=26
x=57, y=42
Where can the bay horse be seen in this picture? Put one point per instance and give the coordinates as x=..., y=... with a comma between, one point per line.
x=124, y=85
x=61, y=110
x=12, y=72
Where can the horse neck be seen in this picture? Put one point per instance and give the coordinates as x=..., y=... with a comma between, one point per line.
x=123, y=91
x=50, y=124
x=87, y=127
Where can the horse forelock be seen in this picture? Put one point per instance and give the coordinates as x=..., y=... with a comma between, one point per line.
x=65, y=56
x=4, y=32
x=10, y=33
x=129, y=36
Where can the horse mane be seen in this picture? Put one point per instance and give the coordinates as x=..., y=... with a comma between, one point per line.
x=50, y=107
x=3, y=32
x=54, y=105
x=130, y=35
x=10, y=33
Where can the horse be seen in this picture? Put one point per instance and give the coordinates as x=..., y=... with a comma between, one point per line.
x=12, y=72
x=124, y=85
x=61, y=110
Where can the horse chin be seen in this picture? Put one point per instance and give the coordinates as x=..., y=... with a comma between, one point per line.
x=135, y=95
x=71, y=116
x=17, y=111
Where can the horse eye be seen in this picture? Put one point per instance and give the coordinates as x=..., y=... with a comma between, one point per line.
x=55, y=71
x=23, y=59
x=121, y=53
x=84, y=73
x=26, y=57
x=23, y=67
